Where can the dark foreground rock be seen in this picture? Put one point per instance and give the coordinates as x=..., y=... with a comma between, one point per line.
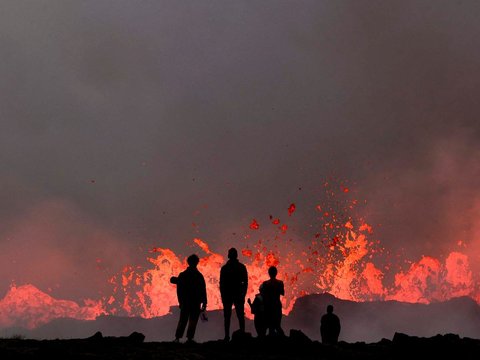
x=361, y=321
x=295, y=346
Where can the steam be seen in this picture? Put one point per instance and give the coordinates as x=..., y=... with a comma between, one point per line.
x=432, y=208
x=61, y=251
x=125, y=127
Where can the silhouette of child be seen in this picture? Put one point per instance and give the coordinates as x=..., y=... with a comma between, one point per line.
x=257, y=308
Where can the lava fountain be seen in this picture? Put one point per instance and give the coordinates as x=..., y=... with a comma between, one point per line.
x=335, y=255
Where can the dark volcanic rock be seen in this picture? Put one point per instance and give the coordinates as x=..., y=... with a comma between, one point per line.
x=241, y=337
x=133, y=338
x=96, y=337
x=367, y=322
x=136, y=337
x=299, y=337
x=297, y=346
x=372, y=321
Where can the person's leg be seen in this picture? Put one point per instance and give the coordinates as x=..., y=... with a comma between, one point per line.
x=279, y=329
x=182, y=323
x=227, y=314
x=192, y=322
x=240, y=310
x=262, y=325
x=278, y=322
x=269, y=322
x=259, y=322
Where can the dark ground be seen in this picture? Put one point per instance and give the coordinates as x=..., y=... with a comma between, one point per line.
x=361, y=321
x=295, y=346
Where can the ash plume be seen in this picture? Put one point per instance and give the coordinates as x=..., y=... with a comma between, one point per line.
x=122, y=124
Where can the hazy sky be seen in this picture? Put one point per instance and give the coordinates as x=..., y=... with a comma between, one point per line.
x=124, y=122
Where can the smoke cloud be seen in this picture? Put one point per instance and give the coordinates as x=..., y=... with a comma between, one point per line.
x=125, y=126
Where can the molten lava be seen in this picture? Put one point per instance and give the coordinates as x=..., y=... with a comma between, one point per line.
x=337, y=257
x=28, y=307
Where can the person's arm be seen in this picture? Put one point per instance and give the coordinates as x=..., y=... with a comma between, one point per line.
x=180, y=290
x=204, y=294
x=244, y=280
x=222, y=281
x=249, y=301
x=282, y=288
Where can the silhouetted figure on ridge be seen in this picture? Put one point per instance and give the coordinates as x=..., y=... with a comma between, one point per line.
x=233, y=289
x=330, y=327
x=272, y=290
x=192, y=298
x=257, y=308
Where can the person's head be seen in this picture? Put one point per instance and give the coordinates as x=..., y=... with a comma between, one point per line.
x=232, y=254
x=261, y=289
x=272, y=272
x=193, y=260
x=330, y=309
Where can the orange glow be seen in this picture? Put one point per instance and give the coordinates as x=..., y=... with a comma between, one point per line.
x=29, y=307
x=291, y=209
x=254, y=225
x=337, y=255
x=247, y=252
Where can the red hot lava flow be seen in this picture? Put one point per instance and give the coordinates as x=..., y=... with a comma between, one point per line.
x=338, y=257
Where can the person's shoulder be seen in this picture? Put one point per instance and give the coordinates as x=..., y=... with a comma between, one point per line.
x=197, y=275
x=182, y=273
x=225, y=267
x=227, y=264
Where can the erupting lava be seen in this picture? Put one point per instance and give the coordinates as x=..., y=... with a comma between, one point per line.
x=337, y=256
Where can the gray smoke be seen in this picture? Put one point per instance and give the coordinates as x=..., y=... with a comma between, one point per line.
x=122, y=123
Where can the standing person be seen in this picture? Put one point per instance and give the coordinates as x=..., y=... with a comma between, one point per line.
x=257, y=307
x=272, y=290
x=192, y=298
x=330, y=327
x=233, y=289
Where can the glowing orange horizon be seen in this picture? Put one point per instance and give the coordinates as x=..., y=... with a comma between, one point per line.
x=339, y=259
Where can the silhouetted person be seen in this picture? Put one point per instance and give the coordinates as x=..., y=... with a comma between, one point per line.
x=192, y=298
x=330, y=327
x=272, y=290
x=233, y=289
x=257, y=307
